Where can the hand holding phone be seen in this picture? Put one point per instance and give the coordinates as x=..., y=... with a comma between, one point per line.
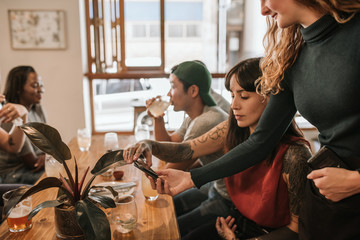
x=140, y=164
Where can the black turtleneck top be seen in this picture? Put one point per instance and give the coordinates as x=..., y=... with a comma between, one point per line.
x=323, y=85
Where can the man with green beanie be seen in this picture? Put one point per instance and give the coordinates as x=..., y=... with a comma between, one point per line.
x=190, y=92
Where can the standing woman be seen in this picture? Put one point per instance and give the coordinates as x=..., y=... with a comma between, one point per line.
x=311, y=66
x=23, y=87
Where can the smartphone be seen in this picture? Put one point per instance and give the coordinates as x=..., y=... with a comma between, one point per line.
x=325, y=157
x=140, y=164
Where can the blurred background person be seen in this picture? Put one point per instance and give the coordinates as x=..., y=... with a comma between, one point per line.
x=24, y=87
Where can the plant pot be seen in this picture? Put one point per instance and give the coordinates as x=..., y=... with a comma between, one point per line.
x=66, y=224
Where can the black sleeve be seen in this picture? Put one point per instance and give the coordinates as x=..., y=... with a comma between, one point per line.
x=272, y=125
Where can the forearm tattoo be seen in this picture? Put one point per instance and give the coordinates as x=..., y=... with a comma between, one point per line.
x=214, y=135
x=172, y=152
x=11, y=141
x=296, y=168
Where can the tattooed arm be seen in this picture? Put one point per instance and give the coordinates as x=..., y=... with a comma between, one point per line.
x=13, y=142
x=207, y=143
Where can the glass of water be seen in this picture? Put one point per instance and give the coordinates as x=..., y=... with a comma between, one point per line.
x=52, y=167
x=142, y=132
x=111, y=142
x=84, y=139
x=159, y=106
x=124, y=215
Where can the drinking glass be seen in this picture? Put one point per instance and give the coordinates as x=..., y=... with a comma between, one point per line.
x=142, y=132
x=124, y=215
x=19, y=214
x=52, y=167
x=84, y=139
x=159, y=106
x=149, y=193
x=111, y=143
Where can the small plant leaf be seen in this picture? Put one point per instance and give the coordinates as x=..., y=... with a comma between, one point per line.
x=104, y=201
x=46, y=204
x=23, y=192
x=76, y=182
x=47, y=139
x=83, y=179
x=107, y=160
x=66, y=184
x=92, y=220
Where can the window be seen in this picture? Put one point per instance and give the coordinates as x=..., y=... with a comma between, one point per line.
x=175, y=31
x=193, y=30
x=132, y=45
x=154, y=30
x=139, y=30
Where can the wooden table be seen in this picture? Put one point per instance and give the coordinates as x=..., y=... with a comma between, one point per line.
x=156, y=220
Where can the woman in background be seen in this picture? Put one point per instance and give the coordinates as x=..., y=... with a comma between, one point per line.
x=23, y=87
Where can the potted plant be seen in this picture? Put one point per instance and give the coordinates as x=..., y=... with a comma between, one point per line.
x=73, y=196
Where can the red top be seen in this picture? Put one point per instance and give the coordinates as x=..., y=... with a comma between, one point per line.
x=260, y=192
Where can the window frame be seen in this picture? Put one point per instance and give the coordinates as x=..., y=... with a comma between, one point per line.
x=124, y=72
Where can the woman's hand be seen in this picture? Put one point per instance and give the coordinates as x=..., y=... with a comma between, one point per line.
x=12, y=111
x=336, y=183
x=172, y=181
x=133, y=152
x=226, y=228
x=40, y=162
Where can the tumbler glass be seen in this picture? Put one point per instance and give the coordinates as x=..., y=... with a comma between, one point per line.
x=17, y=220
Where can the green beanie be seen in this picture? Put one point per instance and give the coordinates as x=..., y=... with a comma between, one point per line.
x=195, y=73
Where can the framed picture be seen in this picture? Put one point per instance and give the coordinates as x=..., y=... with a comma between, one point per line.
x=37, y=29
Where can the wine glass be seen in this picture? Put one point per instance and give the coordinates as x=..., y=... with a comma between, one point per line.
x=84, y=139
x=142, y=132
x=124, y=215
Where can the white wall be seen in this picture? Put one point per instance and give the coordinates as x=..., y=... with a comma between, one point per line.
x=254, y=30
x=61, y=70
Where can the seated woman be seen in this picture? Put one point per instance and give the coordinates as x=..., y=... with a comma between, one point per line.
x=266, y=197
x=23, y=87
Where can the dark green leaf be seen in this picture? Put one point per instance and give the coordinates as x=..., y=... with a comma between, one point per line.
x=107, y=160
x=113, y=192
x=46, y=204
x=47, y=139
x=24, y=192
x=104, y=201
x=92, y=220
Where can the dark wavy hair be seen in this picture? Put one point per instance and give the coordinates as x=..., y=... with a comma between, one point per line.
x=15, y=82
x=246, y=73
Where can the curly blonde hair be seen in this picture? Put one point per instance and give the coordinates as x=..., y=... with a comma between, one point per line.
x=282, y=46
